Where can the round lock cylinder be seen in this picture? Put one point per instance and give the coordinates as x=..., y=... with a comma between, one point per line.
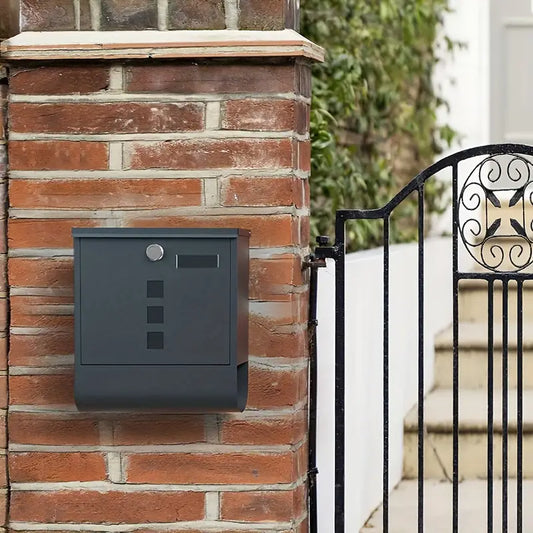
x=155, y=252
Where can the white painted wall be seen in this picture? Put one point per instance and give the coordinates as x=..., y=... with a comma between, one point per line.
x=364, y=338
x=463, y=79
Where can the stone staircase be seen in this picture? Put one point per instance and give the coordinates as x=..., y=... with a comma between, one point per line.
x=438, y=457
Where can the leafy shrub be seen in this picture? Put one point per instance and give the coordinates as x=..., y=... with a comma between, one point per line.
x=373, y=117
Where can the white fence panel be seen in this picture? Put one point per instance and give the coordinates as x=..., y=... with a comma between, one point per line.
x=364, y=370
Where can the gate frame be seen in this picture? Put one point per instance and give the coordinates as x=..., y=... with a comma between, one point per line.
x=337, y=252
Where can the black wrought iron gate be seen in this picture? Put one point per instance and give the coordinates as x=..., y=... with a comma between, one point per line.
x=501, y=250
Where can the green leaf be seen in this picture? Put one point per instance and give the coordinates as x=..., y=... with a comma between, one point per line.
x=374, y=108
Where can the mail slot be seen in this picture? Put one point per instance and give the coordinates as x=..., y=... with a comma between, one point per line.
x=161, y=319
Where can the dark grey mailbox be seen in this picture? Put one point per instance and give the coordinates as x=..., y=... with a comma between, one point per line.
x=161, y=319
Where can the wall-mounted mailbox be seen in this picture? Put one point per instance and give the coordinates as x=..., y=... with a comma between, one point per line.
x=161, y=319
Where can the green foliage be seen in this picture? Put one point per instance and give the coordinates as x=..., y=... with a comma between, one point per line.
x=373, y=117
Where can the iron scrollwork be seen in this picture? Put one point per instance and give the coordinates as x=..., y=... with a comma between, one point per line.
x=495, y=213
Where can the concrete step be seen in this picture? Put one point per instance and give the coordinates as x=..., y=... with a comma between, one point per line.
x=473, y=360
x=473, y=306
x=403, y=511
x=472, y=435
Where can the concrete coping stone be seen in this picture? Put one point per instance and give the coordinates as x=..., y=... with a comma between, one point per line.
x=158, y=44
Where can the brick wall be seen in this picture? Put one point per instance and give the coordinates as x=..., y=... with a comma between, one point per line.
x=55, y=15
x=9, y=18
x=181, y=143
x=3, y=297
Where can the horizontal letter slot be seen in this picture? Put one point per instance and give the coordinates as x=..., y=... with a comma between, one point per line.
x=197, y=261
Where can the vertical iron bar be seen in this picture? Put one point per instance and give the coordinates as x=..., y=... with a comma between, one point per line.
x=421, y=357
x=312, y=471
x=455, y=224
x=339, y=373
x=490, y=406
x=505, y=413
x=520, y=400
x=386, y=374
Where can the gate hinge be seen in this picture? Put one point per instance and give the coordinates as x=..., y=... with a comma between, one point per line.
x=321, y=253
x=311, y=261
x=312, y=472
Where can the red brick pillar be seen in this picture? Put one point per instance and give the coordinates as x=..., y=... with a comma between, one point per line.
x=3, y=296
x=102, y=134
x=109, y=15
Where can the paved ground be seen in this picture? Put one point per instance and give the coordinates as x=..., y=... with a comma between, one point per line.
x=438, y=498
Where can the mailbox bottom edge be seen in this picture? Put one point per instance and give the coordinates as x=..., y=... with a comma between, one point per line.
x=187, y=389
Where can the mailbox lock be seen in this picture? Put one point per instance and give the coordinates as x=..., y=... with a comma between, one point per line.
x=155, y=252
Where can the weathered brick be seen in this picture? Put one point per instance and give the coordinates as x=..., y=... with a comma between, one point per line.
x=273, y=388
x=3, y=197
x=9, y=21
x=271, y=506
x=3, y=280
x=3, y=352
x=305, y=229
x=74, y=79
x=88, y=119
x=3, y=314
x=262, y=14
x=130, y=15
x=3, y=472
x=3, y=428
x=47, y=15
x=259, y=115
x=3, y=117
x=3, y=161
x=42, y=272
x=42, y=311
x=46, y=389
x=162, y=429
x=211, y=154
x=213, y=78
x=58, y=155
x=44, y=233
x=291, y=311
x=303, y=76
x=272, y=279
x=194, y=15
x=292, y=14
x=112, y=507
x=227, y=468
x=3, y=508
x=85, y=15
x=36, y=350
x=304, y=156
x=105, y=193
x=27, y=467
x=303, y=527
x=288, y=429
x=3, y=235
x=273, y=230
x=255, y=191
x=303, y=117
x=57, y=430
x=3, y=392
x=269, y=340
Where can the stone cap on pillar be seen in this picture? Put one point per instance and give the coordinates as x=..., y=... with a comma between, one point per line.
x=61, y=45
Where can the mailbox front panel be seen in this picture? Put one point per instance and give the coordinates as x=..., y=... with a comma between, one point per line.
x=161, y=319
x=175, y=310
